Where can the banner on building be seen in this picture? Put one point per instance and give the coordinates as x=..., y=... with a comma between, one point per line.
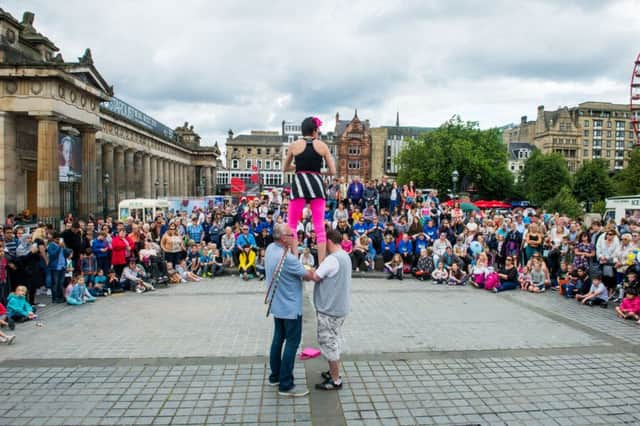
x=69, y=158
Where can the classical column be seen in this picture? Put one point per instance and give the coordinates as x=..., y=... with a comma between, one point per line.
x=165, y=178
x=99, y=177
x=130, y=173
x=208, y=183
x=191, y=179
x=146, y=176
x=89, y=184
x=108, y=189
x=173, y=183
x=183, y=183
x=119, y=180
x=138, y=175
x=48, y=192
x=154, y=177
x=8, y=163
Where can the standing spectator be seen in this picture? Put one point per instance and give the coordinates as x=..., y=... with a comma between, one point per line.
x=370, y=195
x=355, y=192
x=384, y=193
x=119, y=251
x=195, y=231
x=56, y=254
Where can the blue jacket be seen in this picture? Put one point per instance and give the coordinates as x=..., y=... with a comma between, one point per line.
x=18, y=305
x=432, y=232
x=246, y=239
x=53, y=252
x=405, y=247
x=355, y=190
x=420, y=244
x=97, y=245
x=388, y=247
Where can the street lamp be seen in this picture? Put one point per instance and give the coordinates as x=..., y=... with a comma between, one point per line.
x=454, y=178
x=156, y=184
x=105, y=201
x=166, y=184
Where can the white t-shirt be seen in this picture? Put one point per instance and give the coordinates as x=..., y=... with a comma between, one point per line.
x=600, y=290
x=328, y=268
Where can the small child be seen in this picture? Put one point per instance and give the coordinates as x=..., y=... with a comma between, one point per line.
x=440, y=275
x=99, y=286
x=597, y=295
x=394, y=267
x=193, y=258
x=307, y=259
x=185, y=273
x=563, y=276
x=456, y=275
x=206, y=261
x=630, y=307
x=18, y=309
x=5, y=338
x=88, y=266
x=79, y=294
x=537, y=278
x=425, y=264
x=174, y=276
x=346, y=243
x=524, y=278
x=113, y=283
x=479, y=270
x=68, y=275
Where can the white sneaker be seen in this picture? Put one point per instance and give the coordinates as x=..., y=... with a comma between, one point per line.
x=49, y=292
x=139, y=290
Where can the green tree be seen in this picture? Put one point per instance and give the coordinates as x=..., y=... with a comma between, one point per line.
x=591, y=182
x=627, y=182
x=478, y=155
x=542, y=176
x=565, y=203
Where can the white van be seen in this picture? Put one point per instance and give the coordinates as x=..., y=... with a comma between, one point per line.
x=618, y=208
x=144, y=209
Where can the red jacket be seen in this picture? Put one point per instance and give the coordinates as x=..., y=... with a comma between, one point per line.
x=3, y=310
x=119, y=251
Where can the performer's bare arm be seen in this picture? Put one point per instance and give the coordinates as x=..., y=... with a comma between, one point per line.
x=288, y=166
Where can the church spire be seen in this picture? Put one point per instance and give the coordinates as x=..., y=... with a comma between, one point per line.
x=397, y=118
x=356, y=114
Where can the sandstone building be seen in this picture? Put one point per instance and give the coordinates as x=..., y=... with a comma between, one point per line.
x=588, y=131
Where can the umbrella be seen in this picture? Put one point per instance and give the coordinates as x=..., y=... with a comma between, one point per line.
x=467, y=207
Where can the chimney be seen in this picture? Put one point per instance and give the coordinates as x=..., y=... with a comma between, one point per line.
x=337, y=116
x=523, y=119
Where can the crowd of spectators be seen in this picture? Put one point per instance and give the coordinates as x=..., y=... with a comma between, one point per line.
x=385, y=227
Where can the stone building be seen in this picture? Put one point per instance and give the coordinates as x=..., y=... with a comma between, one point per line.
x=353, y=141
x=386, y=144
x=68, y=145
x=587, y=131
x=519, y=152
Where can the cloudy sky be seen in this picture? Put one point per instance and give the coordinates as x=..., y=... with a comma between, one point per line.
x=250, y=64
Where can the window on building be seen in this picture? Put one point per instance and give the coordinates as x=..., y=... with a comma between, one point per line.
x=597, y=124
x=597, y=133
x=609, y=124
x=235, y=163
x=630, y=135
x=259, y=151
x=608, y=144
x=267, y=151
x=619, y=125
x=354, y=150
x=267, y=164
x=388, y=165
x=585, y=153
x=353, y=164
x=277, y=150
x=586, y=122
x=608, y=153
x=555, y=140
x=249, y=164
x=259, y=164
x=235, y=150
x=585, y=142
x=248, y=150
x=388, y=150
x=276, y=165
x=585, y=132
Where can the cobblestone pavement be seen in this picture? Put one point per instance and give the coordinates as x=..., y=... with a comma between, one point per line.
x=416, y=354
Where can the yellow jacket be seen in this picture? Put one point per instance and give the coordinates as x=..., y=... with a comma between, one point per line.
x=246, y=261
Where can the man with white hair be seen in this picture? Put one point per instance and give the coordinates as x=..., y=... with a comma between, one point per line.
x=284, y=275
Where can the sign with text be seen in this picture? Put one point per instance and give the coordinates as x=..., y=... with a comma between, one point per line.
x=137, y=117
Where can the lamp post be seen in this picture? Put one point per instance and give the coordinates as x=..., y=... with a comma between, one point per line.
x=156, y=184
x=105, y=201
x=70, y=186
x=454, y=179
x=166, y=184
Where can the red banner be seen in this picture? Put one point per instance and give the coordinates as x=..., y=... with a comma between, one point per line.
x=237, y=185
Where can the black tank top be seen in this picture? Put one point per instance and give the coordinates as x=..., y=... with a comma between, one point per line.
x=308, y=160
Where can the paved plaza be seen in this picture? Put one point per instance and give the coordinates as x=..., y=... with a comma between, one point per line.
x=416, y=354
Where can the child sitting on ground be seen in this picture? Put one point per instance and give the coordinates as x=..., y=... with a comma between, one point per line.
x=456, y=275
x=597, y=295
x=5, y=338
x=479, y=270
x=18, y=309
x=524, y=278
x=79, y=294
x=185, y=273
x=395, y=267
x=206, y=261
x=346, y=243
x=563, y=276
x=88, y=266
x=440, y=275
x=113, y=283
x=425, y=267
x=630, y=307
x=537, y=278
x=99, y=286
x=174, y=276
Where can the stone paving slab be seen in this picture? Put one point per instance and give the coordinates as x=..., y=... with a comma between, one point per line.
x=535, y=390
x=221, y=394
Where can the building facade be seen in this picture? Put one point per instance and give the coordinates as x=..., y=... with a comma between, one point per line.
x=519, y=153
x=353, y=143
x=68, y=145
x=588, y=131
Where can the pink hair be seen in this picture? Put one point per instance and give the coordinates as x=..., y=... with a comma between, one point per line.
x=317, y=121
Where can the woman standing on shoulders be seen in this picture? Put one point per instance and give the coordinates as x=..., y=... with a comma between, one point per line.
x=308, y=185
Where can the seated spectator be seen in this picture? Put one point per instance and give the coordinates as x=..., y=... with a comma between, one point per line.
x=79, y=293
x=346, y=244
x=440, y=247
x=306, y=259
x=524, y=278
x=193, y=258
x=508, y=276
x=597, y=294
x=247, y=262
x=479, y=271
x=88, y=266
x=113, y=282
x=185, y=273
x=360, y=254
x=405, y=249
x=440, y=275
x=132, y=278
x=456, y=275
x=424, y=266
x=395, y=267
x=630, y=307
x=228, y=242
x=538, y=281
x=99, y=286
x=5, y=338
x=388, y=248
x=18, y=309
x=174, y=276
x=579, y=283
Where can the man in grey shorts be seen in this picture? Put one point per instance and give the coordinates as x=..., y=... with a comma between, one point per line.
x=332, y=299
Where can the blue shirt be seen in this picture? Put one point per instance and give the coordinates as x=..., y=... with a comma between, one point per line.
x=195, y=232
x=246, y=239
x=287, y=301
x=404, y=247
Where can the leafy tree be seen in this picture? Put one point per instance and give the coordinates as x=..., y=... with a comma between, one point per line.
x=542, y=176
x=592, y=182
x=565, y=203
x=478, y=155
x=627, y=182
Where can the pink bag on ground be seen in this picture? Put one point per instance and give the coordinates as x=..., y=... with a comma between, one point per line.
x=308, y=353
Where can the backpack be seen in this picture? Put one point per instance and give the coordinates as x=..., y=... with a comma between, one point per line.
x=491, y=281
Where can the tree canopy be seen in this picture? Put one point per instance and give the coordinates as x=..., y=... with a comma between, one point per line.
x=479, y=156
x=627, y=181
x=592, y=182
x=542, y=176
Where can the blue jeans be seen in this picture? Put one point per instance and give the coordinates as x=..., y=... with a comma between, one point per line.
x=57, y=285
x=508, y=285
x=289, y=330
